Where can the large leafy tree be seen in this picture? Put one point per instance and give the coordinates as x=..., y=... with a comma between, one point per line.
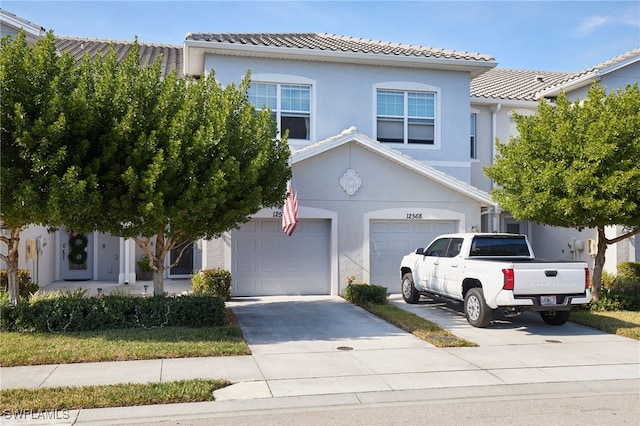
x=182, y=160
x=575, y=165
x=42, y=114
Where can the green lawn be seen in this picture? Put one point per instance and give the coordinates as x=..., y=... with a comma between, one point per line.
x=122, y=395
x=120, y=345
x=418, y=326
x=622, y=323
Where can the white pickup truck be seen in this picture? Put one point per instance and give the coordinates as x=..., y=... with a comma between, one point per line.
x=494, y=271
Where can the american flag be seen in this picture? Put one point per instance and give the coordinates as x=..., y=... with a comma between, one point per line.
x=290, y=209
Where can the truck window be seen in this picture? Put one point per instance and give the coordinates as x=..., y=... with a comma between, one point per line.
x=454, y=247
x=510, y=246
x=437, y=248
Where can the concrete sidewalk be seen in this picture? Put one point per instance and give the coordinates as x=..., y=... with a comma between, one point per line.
x=314, y=350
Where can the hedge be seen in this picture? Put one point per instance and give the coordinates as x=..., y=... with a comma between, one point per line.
x=77, y=313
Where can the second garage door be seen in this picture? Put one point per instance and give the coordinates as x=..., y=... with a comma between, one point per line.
x=390, y=240
x=267, y=262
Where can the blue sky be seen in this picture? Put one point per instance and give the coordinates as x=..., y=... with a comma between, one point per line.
x=536, y=35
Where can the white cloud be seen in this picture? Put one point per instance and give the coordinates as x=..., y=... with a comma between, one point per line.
x=591, y=23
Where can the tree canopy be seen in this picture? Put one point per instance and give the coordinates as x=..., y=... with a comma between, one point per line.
x=107, y=145
x=575, y=164
x=42, y=115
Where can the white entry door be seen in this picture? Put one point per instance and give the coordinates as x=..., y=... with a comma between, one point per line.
x=76, y=255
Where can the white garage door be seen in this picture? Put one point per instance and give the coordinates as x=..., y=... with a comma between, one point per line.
x=267, y=262
x=390, y=240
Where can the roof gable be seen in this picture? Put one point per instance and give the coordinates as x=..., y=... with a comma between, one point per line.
x=351, y=135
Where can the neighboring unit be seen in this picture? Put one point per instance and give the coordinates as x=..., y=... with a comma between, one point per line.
x=494, y=272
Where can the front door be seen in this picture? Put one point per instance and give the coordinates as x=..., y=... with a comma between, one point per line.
x=76, y=255
x=185, y=265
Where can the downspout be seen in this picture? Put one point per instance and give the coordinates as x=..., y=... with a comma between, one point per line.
x=496, y=209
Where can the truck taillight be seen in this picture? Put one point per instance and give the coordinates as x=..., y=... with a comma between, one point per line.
x=508, y=279
x=587, y=281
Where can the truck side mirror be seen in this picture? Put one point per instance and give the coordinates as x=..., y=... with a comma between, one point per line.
x=420, y=251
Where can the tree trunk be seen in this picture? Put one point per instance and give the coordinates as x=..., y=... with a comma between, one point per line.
x=12, y=265
x=598, y=266
x=158, y=265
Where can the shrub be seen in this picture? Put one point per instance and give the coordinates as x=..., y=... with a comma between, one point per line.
x=72, y=311
x=215, y=281
x=143, y=264
x=629, y=271
x=366, y=294
x=25, y=287
x=621, y=292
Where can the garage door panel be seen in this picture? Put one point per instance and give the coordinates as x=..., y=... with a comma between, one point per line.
x=279, y=264
x=246, y=266
x=270, y=226
x=246, y=246
x=403, y=227
x=391, y=240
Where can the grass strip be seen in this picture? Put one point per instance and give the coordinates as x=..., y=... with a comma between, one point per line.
x=122, y=395
x=418, y=326
x=120, y=345
x=622, y=323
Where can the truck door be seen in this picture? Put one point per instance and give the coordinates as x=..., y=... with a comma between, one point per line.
x=430, y=277
x=448, y=269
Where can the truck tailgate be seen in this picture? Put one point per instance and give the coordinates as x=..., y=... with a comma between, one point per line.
x=549, y=278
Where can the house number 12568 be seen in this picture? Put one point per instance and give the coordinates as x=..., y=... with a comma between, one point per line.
x=414, y=215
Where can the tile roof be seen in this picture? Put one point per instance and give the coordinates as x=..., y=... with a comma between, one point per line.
x=333, y=42
x=509, y=84
x=526, y=85
x=172, y=55
x=585, y=77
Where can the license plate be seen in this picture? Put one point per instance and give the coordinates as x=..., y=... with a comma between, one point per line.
x=547, y=300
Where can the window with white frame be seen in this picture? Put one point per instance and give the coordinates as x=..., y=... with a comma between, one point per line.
x=472, y=133
x=290, y=105
x=406, y=117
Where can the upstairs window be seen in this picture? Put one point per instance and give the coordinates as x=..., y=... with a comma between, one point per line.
x=406, y=117
x=290, y=106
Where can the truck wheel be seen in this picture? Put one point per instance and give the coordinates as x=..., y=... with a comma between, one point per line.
x=475, y=309
x=409, y=292
x=555, y=317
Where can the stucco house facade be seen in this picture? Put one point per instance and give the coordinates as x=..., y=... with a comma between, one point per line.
x=388, y=144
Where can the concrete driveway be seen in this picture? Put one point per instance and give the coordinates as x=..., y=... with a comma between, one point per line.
x=311, y=345
x=525, y=348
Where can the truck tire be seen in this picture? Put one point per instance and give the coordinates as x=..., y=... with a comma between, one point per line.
x=409, y=292
x=475, y=309
x=555, y=317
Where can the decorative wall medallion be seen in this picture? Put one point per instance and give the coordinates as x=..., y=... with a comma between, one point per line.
x=350, y=182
